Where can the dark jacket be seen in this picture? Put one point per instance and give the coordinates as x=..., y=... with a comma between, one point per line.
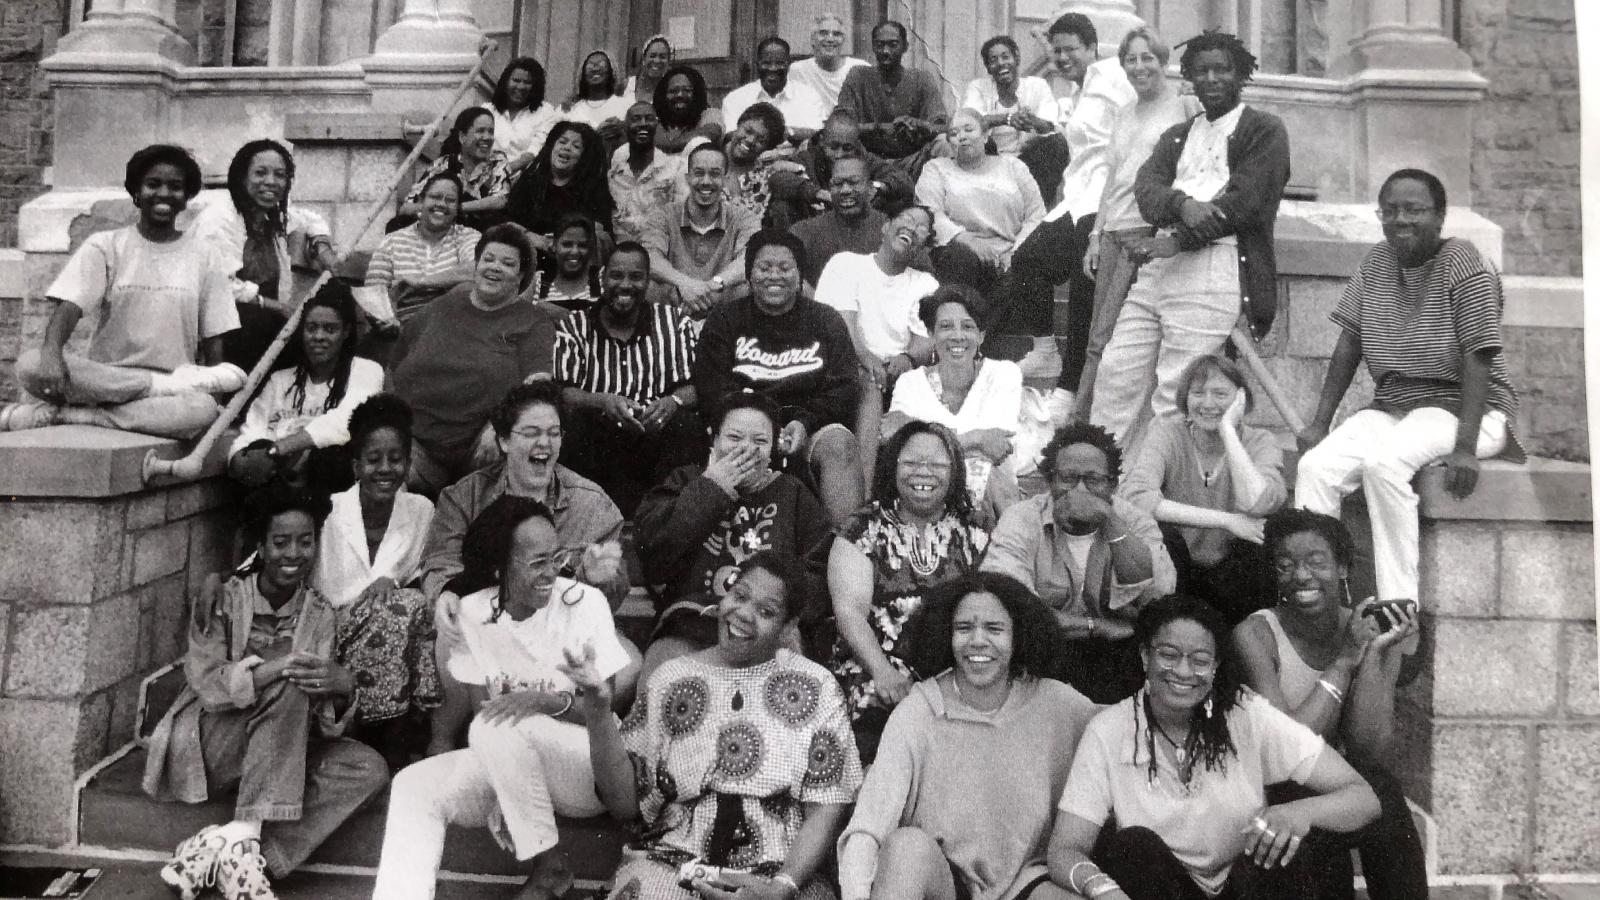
x=803, y=361
x=1258, y=163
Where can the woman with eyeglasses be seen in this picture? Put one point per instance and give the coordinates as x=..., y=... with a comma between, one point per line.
x=916, y=534
x=1334, y=665
x=527, y=754
x=1182, y=768
x=1424, y=312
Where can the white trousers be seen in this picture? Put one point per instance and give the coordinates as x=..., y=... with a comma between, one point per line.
x=528, y=772
x=1381, y=453
x=1181, y=308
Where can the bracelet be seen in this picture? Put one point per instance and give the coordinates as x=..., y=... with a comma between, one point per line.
x=1106, y=888
x=1072, y=874
x=1095, y=892
x=1333, y=692
x=565, y=709
x=787, y=880
x=1121, y=537
x=674, y=399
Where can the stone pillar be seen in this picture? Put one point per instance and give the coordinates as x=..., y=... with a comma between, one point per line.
x=1409, y=83
x=111, y=77
x=423, y=55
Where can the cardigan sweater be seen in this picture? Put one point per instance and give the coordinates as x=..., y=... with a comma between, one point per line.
x=1258, y=166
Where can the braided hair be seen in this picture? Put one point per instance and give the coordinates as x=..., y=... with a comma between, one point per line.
x=334, y=295
x=1211, y=743
x=1244, y=62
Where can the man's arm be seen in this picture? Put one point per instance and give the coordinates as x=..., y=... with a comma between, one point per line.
x=1257, y=174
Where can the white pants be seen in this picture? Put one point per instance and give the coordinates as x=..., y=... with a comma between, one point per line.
x=528, y=772
x=1181, y=308
x=1381, y=452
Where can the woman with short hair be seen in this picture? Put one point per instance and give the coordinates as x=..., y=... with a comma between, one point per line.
x=933, y=820
x=738, y=757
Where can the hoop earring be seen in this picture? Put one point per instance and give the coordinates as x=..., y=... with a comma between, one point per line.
x=1349, y=602
x=1208, y=709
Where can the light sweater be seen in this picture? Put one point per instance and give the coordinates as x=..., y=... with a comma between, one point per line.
x=939, y=768
x=274, y=414
x=1000, y=199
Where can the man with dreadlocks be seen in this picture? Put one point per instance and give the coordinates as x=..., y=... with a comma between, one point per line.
x=1211, y=188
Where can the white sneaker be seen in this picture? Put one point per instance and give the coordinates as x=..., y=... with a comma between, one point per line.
x=220, y=379
x=1059, y=403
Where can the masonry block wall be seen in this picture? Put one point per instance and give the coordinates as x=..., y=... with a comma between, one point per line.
x=94, y=596
x=1505, y=718
x=28, y=33
x=1525, y=143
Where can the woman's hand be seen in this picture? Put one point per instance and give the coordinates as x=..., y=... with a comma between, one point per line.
x=447, y=618
x=1402, y=625
x=1091, y=256
x=1247, y=528
x=1357, y=638
x=744, y=886
x=1233, y=416
x=519, y=705
x=318, y=677
x=51, y=379
x=890, y=685
x=594, y=692
x=1276, y=834
x=600, y=564
x=729, y=470
x=993, y=443
x=381, y=591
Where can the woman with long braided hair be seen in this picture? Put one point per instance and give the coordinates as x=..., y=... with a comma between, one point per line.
x=1182, y=767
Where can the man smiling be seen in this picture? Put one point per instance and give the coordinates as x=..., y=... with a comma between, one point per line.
x=625, y=371
x=697, y=245
x=828, y=67
x=802, y=107
x=900, y=110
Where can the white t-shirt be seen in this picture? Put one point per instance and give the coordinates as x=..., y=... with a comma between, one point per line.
x=506, y=655
x=801, y=105
x=885, y=305
x=524, y=131
x=1078, y=547
x=1204, y=824
x=150, y=304
x=593, y=114
x=1033, y=95
x=826, y=84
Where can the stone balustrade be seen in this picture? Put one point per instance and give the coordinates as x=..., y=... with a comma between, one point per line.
x=95, y=585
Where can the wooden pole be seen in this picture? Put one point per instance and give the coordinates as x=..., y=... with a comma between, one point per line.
x=1275, y=392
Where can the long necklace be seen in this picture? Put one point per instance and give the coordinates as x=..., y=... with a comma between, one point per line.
x=1206, y=477
x=955, y=680
x=1181, y=752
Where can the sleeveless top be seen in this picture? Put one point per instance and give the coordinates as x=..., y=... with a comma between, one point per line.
x=1295, y=678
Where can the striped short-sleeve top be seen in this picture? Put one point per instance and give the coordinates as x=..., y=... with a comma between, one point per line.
x=1417, y=325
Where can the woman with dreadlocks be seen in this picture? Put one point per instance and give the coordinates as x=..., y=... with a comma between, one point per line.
x=299, y=424
x=527, y=754
x=1183, y=765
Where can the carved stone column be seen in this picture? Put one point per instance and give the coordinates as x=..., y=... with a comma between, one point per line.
x=129, y=28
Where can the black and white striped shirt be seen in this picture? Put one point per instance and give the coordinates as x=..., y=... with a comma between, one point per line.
x=655, y=361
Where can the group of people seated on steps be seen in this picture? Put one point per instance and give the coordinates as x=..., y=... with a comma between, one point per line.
x=922, y=631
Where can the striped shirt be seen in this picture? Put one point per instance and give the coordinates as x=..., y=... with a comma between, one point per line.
x=1417, y=325
x=647, y=366
x=405, y=256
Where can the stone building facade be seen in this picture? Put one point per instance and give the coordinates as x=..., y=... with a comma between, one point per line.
x=28, y=33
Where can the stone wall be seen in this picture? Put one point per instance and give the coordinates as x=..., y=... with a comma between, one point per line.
x=1526, y=141
x=1504, y=723
x=28, y=33
x=95, y=585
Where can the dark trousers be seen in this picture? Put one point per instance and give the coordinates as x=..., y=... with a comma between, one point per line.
x=1046, y=158
x=1391, y=850
x=258, y=325
x=1140, y=862
x=1238, y=585
x=1103, y=671
x=301, y=790
x=1024, y=298
x=625, y=463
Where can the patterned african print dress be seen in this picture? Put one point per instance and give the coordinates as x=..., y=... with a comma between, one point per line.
x=725, y=760
x=907, y=562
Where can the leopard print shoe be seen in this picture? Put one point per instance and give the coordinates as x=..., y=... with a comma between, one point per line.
x=242, y=872
x=194, y=864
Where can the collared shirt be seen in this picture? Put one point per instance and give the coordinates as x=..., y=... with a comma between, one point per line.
x=1203, y=166
x=647, y=194
x=655, y=360
x=1084, y=116
x=826, y=84
x=490, y=178
x=695, y=251
x=525, y=130
x=1033, y=95
x=1028, y=546
x=272, y=630
x=802, y=107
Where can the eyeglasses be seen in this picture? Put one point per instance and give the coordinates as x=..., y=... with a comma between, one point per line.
x=1200, y=661
x=1319, y=565
x=1094, y=481
x=1388, y=214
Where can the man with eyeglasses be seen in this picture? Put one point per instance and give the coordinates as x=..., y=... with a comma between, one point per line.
x=1424, y=312
x=850, y=226
x=1093, y=557
x=1211, y=188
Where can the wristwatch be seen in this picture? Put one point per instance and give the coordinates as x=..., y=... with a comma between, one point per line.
x=717, y=283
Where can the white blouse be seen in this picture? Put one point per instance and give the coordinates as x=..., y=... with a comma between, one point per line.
x=993, y=401
x=274, y=414
x=344, y=568
x=524, y=131
x=999, y=199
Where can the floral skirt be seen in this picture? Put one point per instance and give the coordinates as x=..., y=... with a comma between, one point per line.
x=388, y=648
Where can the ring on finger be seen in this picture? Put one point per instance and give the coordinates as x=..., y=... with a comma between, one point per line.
x=1259, y=824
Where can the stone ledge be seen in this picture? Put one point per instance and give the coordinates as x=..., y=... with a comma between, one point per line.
x=85, y=461
x=348, y=128
x=13, y=281
x=1537, y=301
x=1540, y=490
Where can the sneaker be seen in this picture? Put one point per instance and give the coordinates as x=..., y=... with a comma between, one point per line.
x=242, y=872
x=1059, y=403
x=220, y=379
x=22, y=416
x=194, y=864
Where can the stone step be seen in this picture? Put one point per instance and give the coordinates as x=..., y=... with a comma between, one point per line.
x=114, y=813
